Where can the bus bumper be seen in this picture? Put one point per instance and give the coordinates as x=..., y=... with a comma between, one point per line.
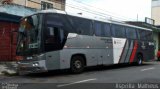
x=25, y=68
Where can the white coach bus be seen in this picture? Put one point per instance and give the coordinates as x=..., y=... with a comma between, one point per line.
x=52, y=40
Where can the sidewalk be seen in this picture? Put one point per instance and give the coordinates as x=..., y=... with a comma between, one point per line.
x=8, y=68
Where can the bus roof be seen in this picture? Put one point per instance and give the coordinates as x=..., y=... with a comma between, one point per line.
x=91, y=18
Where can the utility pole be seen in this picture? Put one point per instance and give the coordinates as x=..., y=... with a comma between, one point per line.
x=25, y=3
x=137, y=17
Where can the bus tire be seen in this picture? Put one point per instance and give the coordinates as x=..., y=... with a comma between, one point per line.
x=139, y=59
x=77, y=64
x=158, y=59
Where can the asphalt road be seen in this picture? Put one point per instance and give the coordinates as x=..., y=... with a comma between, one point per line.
x=115, y=76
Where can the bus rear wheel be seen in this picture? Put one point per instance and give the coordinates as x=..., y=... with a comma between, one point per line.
x=77, y=64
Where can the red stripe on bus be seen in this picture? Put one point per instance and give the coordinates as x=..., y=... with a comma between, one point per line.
x=134, y=51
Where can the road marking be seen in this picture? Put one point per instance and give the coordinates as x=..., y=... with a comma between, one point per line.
x=82, y=81
x=148, y=69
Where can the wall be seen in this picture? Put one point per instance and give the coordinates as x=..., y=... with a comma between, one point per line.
x=36, y=4
x=20, y=2
x=156, y=15
x=8, y=40
x=155, y=11
x=57, y=4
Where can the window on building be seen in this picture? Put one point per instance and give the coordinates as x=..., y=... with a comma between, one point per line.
x=46, y=5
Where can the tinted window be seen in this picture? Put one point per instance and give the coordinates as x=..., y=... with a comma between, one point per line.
x=149, y=35
x=106, y=31
x=142, y=34
x=81, y=25
x=55, y=38
x=131, y=33
x=54, y=34
x=118, y=31
x=98, y=29
x=102, y=29
x=54, y=19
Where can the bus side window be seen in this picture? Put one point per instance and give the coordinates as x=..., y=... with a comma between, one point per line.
x=131, y=33
x=51, y=35
x=149, y=35
x=102, y=29
x=81, y=26
x=142, y=34
x=98, y=29
x=51, y=31
x=118, y=31
x=106, y=30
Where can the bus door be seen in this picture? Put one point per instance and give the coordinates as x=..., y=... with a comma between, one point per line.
x=107, y=52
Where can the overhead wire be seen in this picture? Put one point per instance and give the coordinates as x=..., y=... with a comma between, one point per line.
x=83, y=8
x=104, y=10
x=95, y=12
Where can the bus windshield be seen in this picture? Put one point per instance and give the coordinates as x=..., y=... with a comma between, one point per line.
x=35, y=37
x=28, y=39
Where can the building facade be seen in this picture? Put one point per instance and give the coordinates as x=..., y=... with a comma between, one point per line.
x=156, y=11
x=38, y=4
x=8, y=35
x=10, y=16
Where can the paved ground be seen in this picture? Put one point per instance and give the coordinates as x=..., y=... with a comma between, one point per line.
x=92, y=78
x=8, y=68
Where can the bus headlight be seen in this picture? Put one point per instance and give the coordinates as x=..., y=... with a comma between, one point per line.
x=35, y=64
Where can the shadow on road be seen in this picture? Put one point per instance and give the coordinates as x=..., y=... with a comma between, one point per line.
x=67, y=72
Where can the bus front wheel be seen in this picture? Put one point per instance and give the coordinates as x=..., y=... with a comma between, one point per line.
x=77, y=64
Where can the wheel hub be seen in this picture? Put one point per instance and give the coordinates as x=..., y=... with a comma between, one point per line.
x=77, y=64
